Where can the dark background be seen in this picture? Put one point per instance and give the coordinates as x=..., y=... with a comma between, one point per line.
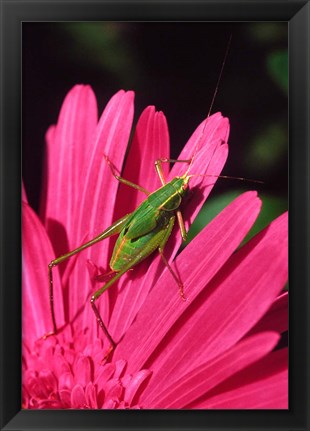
x=174, y=66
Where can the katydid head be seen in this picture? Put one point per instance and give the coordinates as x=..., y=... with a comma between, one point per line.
x=180, y=184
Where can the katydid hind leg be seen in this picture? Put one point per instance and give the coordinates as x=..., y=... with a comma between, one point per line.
x=174, y=274
x=115, y=228
x=97, y=295
x=161, y=252
x=181, y=225
x=93, y=299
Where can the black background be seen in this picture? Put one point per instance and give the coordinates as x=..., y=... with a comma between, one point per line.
x=174, y=66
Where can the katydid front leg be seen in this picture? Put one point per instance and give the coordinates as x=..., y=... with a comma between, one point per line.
x=160, y=173
x=161, y=252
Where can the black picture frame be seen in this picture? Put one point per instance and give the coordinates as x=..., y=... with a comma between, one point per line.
x=13, y=13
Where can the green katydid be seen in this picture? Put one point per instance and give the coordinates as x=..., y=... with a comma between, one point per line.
x=141, y=232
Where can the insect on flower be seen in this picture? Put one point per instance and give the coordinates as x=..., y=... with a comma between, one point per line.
x=148, y=228
x=174, y=349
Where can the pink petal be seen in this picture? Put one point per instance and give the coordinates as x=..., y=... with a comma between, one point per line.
x=150, y=143
x=65, y=397
x=207, y=253
x=133, y=386
x=210, y=142
x=91, y=396
x=105, y=373
x=34, y=387
x=78, y=400
x=113, y=389
x=94, y=348
x=96, y=205
x=112, y=136
x=269, y=394
x=231, y=304
x=126, y=379
x=263, y=385
x=120, y=367
x=200, y=380
x=37, y=253
x=48, y=380
x=121, y=406
x=49, y=404
x=276, y=318
x=215, y=129
x=39, y=385
x=66, y=381
x=69, y=354
x=61, y=365
x=82, y=370
x=67, y=146
x=110, y=405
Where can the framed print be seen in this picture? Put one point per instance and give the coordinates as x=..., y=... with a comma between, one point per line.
x=145, y=255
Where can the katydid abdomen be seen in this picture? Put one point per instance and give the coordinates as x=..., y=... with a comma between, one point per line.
x=146, y=229
x=127, y=250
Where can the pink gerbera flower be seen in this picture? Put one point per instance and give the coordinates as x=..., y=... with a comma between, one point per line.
x=218, y=349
